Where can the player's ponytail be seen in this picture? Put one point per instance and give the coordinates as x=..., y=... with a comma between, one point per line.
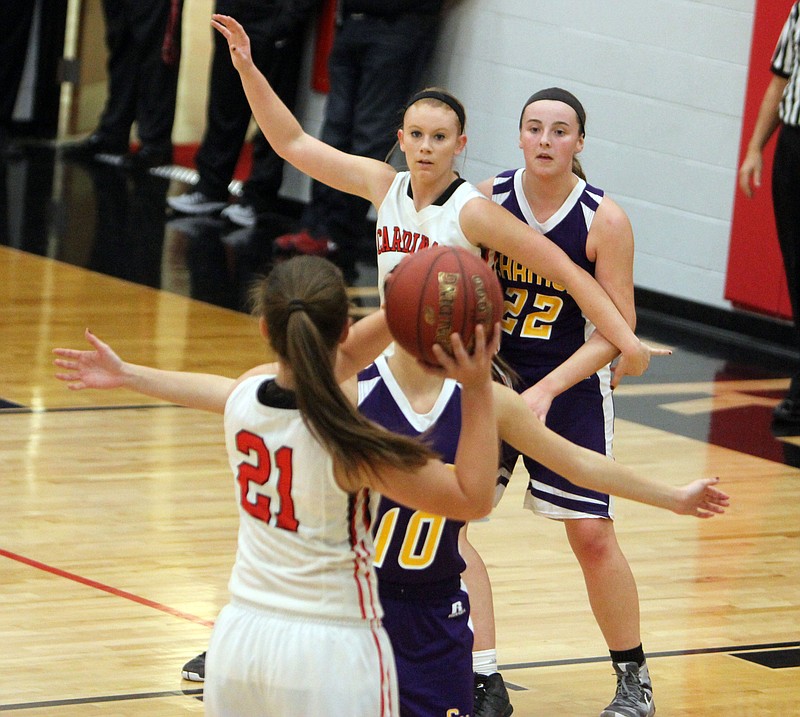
x=305, y=305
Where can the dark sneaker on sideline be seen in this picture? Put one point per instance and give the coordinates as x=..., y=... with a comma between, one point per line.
x=491, y=696
x=147, y=158
x=195, y=669
x=87, y=149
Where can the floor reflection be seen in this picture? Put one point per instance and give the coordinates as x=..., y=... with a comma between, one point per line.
x=98, y=216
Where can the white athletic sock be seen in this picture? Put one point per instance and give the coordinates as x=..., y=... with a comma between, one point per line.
x=484, y=662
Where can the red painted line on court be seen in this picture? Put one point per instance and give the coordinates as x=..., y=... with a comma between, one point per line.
x=106, y=588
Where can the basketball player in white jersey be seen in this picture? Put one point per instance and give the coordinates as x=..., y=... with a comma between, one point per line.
x=429, y=204
x=302, y=633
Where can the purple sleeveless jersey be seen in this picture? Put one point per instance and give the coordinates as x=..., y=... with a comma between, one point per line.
x=542, y=327
x=542, y=323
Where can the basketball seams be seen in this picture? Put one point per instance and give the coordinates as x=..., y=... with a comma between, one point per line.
x=422, y=349
x=467, y=300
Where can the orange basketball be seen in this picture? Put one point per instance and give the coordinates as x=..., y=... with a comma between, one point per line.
x=439, y=291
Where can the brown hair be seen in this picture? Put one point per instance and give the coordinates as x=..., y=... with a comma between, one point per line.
x=561, y=95
x=440, y=98
x=304, y=302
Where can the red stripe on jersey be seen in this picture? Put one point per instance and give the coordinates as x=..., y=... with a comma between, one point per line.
x=362, y=564
x=352, y=528
x=369, y=554
x=386, y=683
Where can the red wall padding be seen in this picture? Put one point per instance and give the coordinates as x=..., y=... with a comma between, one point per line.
x=755, y=278
x=326, y=26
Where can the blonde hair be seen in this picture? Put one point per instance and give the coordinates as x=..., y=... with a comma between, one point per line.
x=440, y=98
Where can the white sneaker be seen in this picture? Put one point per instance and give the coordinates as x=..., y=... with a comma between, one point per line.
x=242, y=214
x=194, y=203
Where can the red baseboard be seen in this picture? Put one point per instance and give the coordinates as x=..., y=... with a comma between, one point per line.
x=183, y=155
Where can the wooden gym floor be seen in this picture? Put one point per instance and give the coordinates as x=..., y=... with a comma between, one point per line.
x=118, y=526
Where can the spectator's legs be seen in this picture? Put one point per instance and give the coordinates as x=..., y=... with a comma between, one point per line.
x=120, y=109
x=344, y=71
x=391, y=57
x=228, y=118
x=283, y=73
x=156, y=71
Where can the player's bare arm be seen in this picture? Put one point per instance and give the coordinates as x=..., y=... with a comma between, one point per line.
x=362, y=176
x=521, y=429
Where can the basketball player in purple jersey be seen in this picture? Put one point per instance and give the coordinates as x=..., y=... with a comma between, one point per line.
x=564, y=364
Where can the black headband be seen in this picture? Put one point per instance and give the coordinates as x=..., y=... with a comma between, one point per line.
x=559, y=95
x=296, y=305
x=451, y=102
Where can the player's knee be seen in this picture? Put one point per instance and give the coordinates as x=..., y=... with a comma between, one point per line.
x=593, y=541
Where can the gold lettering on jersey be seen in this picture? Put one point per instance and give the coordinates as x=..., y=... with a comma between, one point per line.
x=401, y=241
x=512, y=270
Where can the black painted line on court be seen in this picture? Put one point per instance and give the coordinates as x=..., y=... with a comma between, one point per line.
x=649, y=655
x=69, y=409
x=99, y=700
x=197, y=693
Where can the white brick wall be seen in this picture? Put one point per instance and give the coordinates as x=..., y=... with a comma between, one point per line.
x=663, y=83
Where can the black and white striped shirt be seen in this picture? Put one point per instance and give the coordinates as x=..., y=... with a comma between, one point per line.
x=786, y=63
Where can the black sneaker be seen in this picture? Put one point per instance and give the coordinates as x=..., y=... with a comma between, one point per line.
x=195, y=669
x=491, y=696
x=147, y=158
x=787, y=411
x=87, y=149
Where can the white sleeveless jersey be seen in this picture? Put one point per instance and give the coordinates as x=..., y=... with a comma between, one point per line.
x=401, y=229
x=304, y=545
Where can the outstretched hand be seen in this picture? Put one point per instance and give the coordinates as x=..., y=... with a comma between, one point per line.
x=100, y=368
x=238, y=41
x=635, y=364
x=701, y=499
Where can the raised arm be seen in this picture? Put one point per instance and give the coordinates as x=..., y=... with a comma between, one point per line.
x=362, y=176
x=521, y=429
x=489, y=225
